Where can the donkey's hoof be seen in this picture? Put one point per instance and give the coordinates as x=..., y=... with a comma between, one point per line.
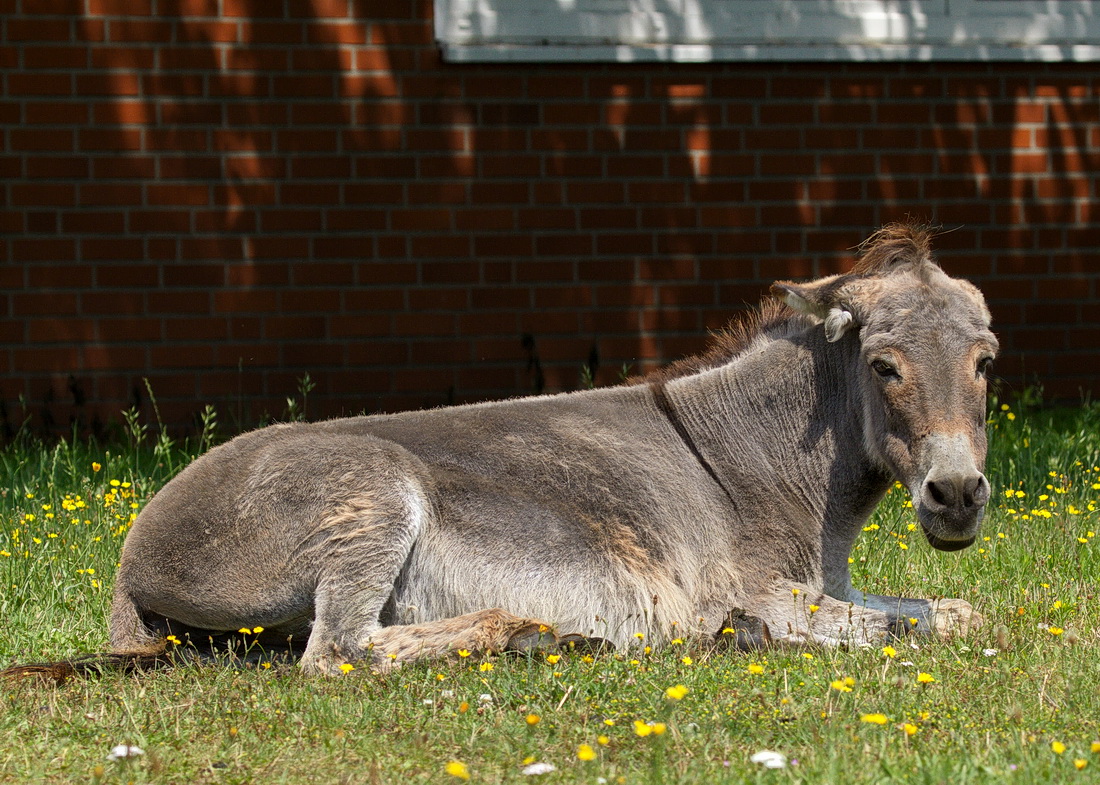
x=586, y=645
x=743, y=632
x=532, y=637
x=954, y=618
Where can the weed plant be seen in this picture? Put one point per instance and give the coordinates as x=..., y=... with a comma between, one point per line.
x=1015, y=701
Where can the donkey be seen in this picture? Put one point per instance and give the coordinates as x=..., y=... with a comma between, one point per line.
x=736, y=481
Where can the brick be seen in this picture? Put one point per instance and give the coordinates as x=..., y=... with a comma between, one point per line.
x=57, y=167
x=46, y=304
x=330, y=33
x=181, y=194
x=42, y=195
x=109, y=139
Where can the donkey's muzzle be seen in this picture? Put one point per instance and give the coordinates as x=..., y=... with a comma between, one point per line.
x=956, y=496
x=952, y=508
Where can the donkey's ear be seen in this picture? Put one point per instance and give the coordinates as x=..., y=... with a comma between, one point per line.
x=821, y=298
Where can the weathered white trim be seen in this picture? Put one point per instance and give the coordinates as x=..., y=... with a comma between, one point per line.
x=693, y=31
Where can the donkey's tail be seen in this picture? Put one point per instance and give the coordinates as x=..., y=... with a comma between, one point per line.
x=91, y=665
x=136, y=648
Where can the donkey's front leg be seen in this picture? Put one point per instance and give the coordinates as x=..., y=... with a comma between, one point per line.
x=944, y=618
x=795, y=613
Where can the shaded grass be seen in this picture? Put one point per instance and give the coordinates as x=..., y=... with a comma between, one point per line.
x=998, y=702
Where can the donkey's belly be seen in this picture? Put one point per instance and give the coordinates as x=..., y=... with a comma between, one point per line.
x=576, y=592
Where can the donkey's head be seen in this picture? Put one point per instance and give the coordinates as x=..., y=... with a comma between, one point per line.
x=925, y=348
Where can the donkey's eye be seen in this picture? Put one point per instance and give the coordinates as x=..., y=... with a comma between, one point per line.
x=885, y=369
x=984, y=365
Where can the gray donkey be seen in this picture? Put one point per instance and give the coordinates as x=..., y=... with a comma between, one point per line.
x=734, y=481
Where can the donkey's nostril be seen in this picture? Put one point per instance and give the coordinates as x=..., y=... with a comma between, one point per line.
x=939, y=492
x=978, y=493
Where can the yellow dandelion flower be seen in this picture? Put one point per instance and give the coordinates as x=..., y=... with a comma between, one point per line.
x=255, y=630
x=659, y=728
x=553, y=658
x=485, y=667
x=245, y=630
x=1094, y=748
x=642, y=729
x=1080, y=763
x=96, y=466
x=676, y=693
x=874, y=719
x=890, y=651
x=464, y=653
x=1057, y=747
x=585, y=752
x=814, y=608
x=602, y=740
x=925, y=678
x=173, y=640
x=609, y=723
x=755, y=669
x=909, y=728
x=686, y=660
x=533, y=719
x=347, y=667
x=1055, y=630
x=795, y=592
x=807, y=656
x=457, y=768
x=840, y=686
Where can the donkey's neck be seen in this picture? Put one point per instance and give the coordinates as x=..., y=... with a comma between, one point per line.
x=780, y=427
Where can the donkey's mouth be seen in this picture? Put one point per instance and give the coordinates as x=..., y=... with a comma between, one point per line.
x=947, y=545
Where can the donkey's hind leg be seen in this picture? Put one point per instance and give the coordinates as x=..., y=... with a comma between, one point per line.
x=359, y=547
x=488, y=631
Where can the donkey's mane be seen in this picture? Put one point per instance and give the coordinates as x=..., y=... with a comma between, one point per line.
x=897, y=245
x=894, y=246
x=772, y=317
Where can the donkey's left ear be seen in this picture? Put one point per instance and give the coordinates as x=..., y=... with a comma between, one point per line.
x=821, y=298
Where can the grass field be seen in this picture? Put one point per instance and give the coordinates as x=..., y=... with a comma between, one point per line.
x=1017, y=701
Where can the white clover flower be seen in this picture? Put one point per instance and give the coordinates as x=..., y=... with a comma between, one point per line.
x=121, y=751
x=538, y=768
x=770, y=759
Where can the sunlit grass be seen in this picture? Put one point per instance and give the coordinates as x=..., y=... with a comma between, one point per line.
x=1015, y=701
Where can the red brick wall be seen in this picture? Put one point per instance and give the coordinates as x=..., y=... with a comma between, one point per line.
x=221, y=195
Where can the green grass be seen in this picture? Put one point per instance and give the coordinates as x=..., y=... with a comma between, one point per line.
x=999, y=700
